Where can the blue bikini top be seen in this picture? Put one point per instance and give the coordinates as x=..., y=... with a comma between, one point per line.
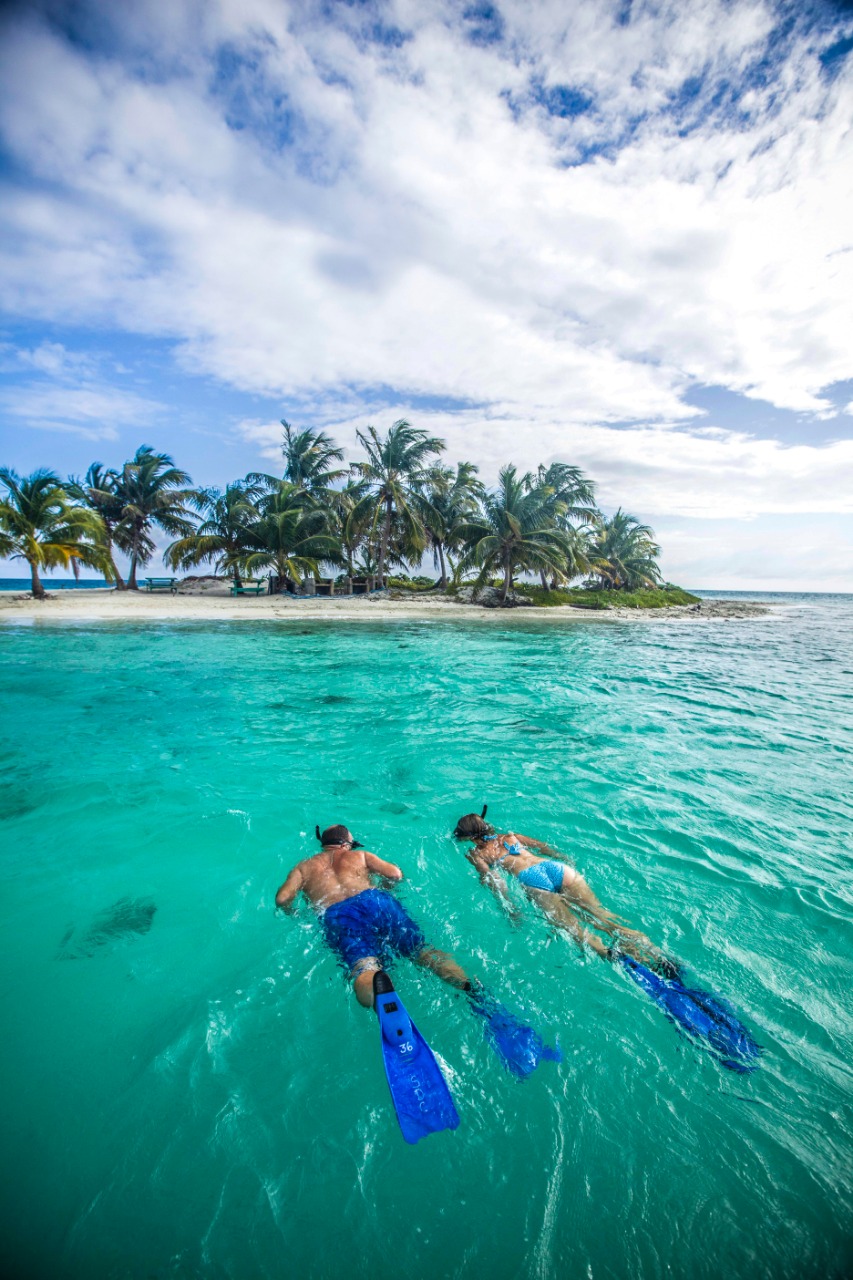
x=513, y=850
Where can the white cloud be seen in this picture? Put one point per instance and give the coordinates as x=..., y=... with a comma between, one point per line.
x=654, y=470
x=93, y=412
x=332, y=216
x=446, y=251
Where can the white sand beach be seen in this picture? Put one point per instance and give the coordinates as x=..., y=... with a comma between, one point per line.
x=209, y=601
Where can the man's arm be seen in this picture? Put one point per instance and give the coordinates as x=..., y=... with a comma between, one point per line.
x=378, y=867
x=288, y=891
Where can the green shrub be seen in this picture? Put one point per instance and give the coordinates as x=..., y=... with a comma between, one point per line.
x=593, y=598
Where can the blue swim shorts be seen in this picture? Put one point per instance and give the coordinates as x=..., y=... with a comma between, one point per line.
x=546, y=875
x=371, y=924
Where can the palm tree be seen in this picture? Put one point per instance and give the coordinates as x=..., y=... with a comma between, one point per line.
x=573, y=501
x=516, y=532
x=153, y=491
x=453, y=500
x=351, y=519
x=223, y=535
x=99, y=492
x=41, y=525
x=396, y=472
x=290, y=537
x=623, y=553
x=308, y=459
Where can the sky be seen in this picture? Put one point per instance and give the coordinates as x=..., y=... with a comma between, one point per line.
x=615, y=233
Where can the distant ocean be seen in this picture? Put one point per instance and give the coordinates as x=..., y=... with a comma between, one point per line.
x=53, y=584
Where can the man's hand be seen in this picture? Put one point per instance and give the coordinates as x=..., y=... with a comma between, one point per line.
x=286, y=895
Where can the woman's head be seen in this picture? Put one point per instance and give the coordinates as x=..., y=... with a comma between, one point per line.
x=473, y=826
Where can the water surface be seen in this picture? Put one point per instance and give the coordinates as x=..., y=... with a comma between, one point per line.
x=188, y=1088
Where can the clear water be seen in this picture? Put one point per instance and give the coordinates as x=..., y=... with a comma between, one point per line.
x=195, y=1094
x=52, y=584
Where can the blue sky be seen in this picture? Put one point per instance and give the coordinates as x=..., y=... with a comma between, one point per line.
x=616, y=234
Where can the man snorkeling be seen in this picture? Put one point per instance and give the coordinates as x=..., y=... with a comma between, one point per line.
x=364, y=925
x=557, y=888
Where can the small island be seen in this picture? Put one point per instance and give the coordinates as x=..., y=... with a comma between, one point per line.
x=330, y=537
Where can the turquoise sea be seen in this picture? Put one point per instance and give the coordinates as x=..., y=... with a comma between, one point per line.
x=187, y=1086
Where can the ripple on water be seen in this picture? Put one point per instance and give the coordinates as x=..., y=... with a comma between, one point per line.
x=204, y=1093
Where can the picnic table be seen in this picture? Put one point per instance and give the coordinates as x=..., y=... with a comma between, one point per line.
x=250, y=587
x=161, y=584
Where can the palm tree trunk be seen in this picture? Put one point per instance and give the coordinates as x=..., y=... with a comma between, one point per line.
x=443, y=583
x=544, y=579
x=120, y=584
x=383, y=542
x=37, y=588
x=134, y=557
x=507, y=587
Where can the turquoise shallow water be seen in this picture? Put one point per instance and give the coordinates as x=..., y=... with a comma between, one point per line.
x=193, y=1093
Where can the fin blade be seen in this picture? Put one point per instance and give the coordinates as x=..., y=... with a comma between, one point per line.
x=704, y=1017
x=518, y=1046
x=420, y=1094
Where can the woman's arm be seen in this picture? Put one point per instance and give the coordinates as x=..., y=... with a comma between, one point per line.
x=490, y=878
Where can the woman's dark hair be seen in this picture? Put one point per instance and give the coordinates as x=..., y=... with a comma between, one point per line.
x=473, y=826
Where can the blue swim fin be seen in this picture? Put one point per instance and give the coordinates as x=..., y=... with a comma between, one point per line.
x=518, y=1046
x=419, y=1091
x=705, y=1017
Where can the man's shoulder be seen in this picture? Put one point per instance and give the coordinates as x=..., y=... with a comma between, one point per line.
x=304, y=863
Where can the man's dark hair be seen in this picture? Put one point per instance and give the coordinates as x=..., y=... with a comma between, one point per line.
x=335, y=835
x=473, y=826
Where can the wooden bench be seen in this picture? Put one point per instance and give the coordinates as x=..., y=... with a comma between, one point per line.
x=161, y=584
x=248, y=588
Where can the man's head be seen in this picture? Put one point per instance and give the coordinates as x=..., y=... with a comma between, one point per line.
x=337, y=834
x=473, y=826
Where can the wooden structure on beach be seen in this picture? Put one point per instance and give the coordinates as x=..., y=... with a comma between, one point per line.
x=310, y=586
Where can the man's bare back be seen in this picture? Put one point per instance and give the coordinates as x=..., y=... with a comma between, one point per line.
x=337, y=873
x=376, y=923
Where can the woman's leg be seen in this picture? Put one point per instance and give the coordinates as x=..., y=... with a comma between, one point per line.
x=576, y=890
x=556, y=909
x=631, y=941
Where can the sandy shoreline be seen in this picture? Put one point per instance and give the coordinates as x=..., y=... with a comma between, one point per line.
x=217, y=606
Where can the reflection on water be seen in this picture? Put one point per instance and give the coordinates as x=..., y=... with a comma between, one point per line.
x=205, y=1099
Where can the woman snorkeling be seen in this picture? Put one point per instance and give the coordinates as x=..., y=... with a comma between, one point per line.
x=557, y=888
x=570, y=904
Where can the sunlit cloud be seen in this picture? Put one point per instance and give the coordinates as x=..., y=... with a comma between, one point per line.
x=535, y=230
